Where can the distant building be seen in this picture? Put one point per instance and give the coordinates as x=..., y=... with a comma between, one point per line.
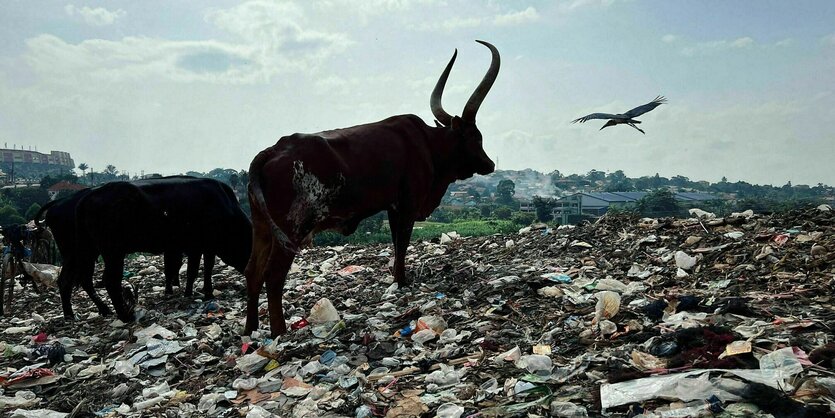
x=61, y=186
x=597, y=203
x=27, y=164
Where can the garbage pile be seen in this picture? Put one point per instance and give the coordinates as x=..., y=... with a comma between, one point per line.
x=705, y=316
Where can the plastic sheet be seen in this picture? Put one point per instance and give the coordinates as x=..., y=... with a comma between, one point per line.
x=776, y=368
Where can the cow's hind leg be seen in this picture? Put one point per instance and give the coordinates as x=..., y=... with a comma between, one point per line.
x=254, y=283
x=113, y=268
x=401, y=234
x=275, y=278
x=254, y=274
x=270, y=262
x=173, y=261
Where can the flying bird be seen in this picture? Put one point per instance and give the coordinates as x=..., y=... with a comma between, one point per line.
x=625, y=118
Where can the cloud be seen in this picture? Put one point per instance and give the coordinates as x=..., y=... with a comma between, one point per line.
x=95, y=17
x=577, y=4
x=829, y=39
x=745, y=42
x=784, y=42
x=742, y=42
x=272, y=27
x=704, y=48
x=512, y=18
x=272, y=38
x=376, y=7
x=516, y=18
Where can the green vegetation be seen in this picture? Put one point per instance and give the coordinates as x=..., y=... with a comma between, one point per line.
x=49, y=180
x=8, y=213
x=523, y=218
x=661, y=202
x=32, y=211
x=505, y=191
x=22, y=198
x=544, y=206
x=503, y=213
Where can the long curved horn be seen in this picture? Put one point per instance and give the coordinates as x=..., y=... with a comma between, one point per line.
x=471, y=108
x=435, y=101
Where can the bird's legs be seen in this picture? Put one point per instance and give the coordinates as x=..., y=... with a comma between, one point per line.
x=639, y=129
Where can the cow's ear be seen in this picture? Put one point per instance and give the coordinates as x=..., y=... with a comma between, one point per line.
x=455, y=123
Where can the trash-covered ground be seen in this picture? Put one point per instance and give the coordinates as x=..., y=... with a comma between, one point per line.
x=625, y=317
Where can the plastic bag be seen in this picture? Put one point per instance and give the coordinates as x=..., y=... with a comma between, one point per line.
x=608, y=305
x=323, y=311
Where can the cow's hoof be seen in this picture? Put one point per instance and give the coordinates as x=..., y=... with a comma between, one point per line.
x=104, y=310
x=405, y=281
x=128, y=319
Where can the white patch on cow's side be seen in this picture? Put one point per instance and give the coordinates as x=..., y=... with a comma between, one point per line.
x=312, y=198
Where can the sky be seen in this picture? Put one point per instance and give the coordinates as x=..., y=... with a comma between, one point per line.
x=168, y=87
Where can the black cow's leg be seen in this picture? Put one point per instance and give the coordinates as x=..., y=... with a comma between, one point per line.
x=404, y=234
x=113, y=268
x=208, y=266
x=84, y=276
x=173, y=261
x=65, y=285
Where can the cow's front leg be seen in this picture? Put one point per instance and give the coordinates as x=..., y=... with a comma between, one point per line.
x=173, y=261
x=113, y=268
x=401, y=235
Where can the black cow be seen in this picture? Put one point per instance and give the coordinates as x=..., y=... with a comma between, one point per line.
x=307, y=183
x=59, y=215
x=170, y=215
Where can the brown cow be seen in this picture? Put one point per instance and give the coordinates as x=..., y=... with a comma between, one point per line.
x=307, y=183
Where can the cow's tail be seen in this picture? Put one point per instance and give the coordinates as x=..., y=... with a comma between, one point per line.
x=258, y=204
x=43, y=210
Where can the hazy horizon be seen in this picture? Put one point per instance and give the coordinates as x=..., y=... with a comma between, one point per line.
x=195, y=88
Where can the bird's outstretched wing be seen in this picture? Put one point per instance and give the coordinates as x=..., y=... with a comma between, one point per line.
x=640, y=110
x=595, y=116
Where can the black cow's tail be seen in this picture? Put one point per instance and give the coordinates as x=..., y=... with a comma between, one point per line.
x=258, y=204
x=43, y=210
